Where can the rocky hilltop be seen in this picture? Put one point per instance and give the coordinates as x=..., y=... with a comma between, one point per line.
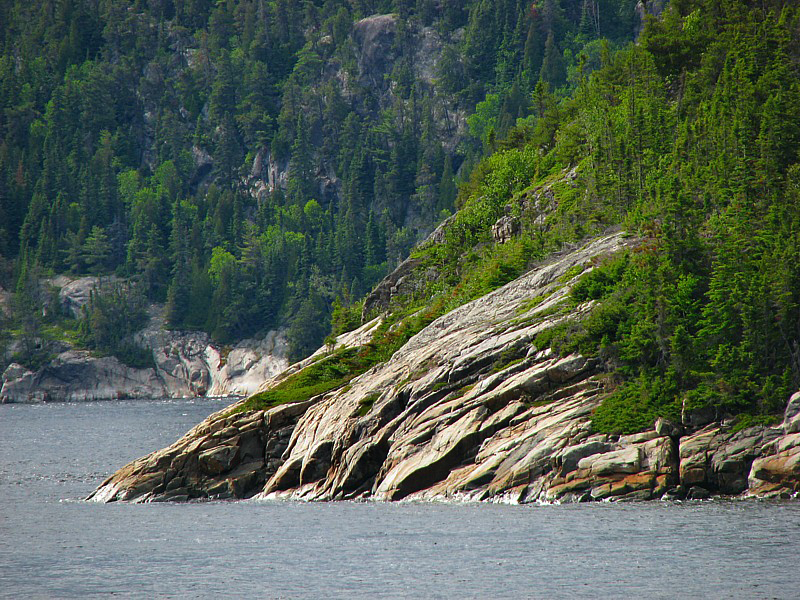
x=470, y=408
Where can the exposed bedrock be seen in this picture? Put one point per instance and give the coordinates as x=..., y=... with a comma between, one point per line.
x=185, y=363
x=468, y=409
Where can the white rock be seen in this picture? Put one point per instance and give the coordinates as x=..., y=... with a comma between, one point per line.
x=791, y=417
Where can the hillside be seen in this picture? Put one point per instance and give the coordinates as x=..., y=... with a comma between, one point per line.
x=248, y=163
x=625, y=366
x=470, y=408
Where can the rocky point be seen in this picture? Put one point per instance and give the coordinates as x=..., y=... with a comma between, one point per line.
x=469, y=409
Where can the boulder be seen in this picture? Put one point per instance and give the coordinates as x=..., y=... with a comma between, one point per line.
x=697, y=492
x=505, y=229
x=626, y=460
x=570, y=457
x=666, y=427
x=777, y=471
x=15, y=371
x=18, y=385
x=791, y=416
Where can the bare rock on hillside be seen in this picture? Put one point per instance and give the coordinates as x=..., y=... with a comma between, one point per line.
x=468, y=409
x=374, y=37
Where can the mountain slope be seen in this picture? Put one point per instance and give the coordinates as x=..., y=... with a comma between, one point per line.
x=688, y=139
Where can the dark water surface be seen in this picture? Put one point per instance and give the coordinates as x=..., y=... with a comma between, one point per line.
x=54, y=546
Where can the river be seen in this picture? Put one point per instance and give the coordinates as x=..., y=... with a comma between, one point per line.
x=53, y=545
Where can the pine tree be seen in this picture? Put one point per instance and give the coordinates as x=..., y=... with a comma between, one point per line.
x=302, y=177
x=552, y=70
x=179, y=291
x=447, y=187
x=96, y=250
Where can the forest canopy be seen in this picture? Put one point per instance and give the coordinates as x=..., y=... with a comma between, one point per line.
x=248, y=162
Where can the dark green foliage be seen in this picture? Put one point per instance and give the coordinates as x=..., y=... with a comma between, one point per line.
x=114, y=313
x=688, y=151
x=635, y=405
x=128, y=134
x=600, y=282
x=308, y=328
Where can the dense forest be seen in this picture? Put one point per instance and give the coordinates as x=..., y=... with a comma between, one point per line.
x=252, y=163
x=257, y=164
x=689, y=140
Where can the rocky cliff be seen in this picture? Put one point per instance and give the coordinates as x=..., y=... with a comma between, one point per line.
x=470, y=408
x=185, y=364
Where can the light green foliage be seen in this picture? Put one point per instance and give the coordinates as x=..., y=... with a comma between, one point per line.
x=483, y=122
x=96, y=250
x=688, y=138
x=322, y=376
x=134, y=139
x=222, y=264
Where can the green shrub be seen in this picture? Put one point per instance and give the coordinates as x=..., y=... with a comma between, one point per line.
x=635, y=405
x=322, y=376
x=134, y=356
x=366, y=403
x=601, y=281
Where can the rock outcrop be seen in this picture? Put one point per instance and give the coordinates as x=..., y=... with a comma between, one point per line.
x=406, y=278
x=190, y=364
x=374, y=37
x=74, y=294
x=776, y=470
x=76, y=376
x=505, y=229
x=185, y=363
x=223, y=457
x=469, y=409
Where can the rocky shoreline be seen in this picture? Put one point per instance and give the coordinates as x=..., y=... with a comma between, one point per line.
x=469, y=409
x=185, y=363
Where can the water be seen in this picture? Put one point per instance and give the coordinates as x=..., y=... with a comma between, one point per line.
x=52, y=545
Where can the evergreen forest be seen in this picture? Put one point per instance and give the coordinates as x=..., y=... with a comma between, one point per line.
x=258, y=164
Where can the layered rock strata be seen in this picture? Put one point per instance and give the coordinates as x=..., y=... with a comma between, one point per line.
x=468, y=409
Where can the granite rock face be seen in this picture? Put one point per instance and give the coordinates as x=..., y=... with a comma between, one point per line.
x=374, y=37
x=776, y=471
x=76, y=376
x=505, y=229
x=469, y=409
x=5, y=302
x=718, y=460
x=185, y=363
x=74, y=294
x=223, y=457
x=791, y=417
